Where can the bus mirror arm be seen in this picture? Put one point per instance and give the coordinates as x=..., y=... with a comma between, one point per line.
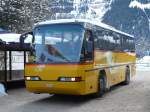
x=24, y=36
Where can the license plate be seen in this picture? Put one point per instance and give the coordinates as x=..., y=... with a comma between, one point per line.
x=49, y=85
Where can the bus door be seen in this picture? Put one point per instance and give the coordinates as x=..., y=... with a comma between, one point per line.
x=88, y=54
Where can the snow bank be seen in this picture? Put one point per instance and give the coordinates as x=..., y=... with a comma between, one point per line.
x=2, y=90
x=143, y=64
x=145, y=59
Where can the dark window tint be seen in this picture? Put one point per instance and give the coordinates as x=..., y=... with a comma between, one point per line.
x=109, y=40
x=127, y=43
x=105, y=40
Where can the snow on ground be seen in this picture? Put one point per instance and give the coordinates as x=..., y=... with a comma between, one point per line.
x=2, y=90
x=143, y=64
x=132, y=98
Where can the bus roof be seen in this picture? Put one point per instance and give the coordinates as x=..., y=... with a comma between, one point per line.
x=93, y=22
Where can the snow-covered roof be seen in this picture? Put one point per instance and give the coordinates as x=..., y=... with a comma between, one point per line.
x=94, y=22
x=13, y=37
x=10, y=37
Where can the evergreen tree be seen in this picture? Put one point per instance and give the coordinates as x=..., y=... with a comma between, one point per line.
x=20, y=15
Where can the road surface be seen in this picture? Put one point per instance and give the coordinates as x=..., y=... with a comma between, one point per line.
x=132, y=98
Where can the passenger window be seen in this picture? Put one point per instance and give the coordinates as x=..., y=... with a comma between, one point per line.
x=109, y=40
x=128, y=44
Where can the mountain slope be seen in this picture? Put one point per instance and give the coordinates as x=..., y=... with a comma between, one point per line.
x=130, y=20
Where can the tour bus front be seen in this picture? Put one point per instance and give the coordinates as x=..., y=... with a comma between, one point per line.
x=58, y=61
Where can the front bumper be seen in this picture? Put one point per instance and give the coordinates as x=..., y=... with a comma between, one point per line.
x=56, y=87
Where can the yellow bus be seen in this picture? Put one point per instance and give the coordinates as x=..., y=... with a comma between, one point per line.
x=78, y=57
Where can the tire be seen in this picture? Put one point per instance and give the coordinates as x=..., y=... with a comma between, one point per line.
x=101, y=86
x=127, y=77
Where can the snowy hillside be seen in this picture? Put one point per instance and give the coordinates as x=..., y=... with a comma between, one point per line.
x=89, y=9
x=129, y=16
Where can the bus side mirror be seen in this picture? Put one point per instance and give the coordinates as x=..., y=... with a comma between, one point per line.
x=28, y=37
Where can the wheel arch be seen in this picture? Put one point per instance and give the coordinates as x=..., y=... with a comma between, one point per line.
x=128, y=67
x=103, y=73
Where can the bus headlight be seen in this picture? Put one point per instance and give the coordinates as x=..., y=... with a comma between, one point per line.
x=70, y=79
x=32, y=78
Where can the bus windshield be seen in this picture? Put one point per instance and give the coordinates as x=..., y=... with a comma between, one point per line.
x=58, y=43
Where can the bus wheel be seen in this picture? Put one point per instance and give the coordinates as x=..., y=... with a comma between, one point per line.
x=127, y=77
x=101, y=86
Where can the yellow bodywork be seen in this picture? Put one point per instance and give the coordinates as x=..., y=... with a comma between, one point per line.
x=114, y=65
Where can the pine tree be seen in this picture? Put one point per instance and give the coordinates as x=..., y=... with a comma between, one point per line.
x=20, y=15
